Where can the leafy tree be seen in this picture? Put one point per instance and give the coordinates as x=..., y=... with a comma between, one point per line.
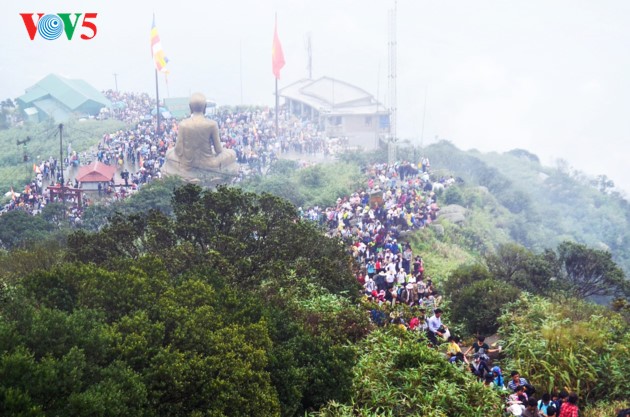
x=7, y=107
x=453, y=195
x=516, y=265
x=17, y=228
x=591, y=272
x=464, y=276
x=603, y=183
x=230, y=306
x=479, y=305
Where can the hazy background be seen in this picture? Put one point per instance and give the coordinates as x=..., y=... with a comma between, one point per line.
x=551, y=77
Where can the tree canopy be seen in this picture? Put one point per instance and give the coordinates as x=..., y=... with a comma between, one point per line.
x=591, y=272
x=231, y=306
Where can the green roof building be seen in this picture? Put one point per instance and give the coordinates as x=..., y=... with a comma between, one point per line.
x=179, y=107
x=58, y=98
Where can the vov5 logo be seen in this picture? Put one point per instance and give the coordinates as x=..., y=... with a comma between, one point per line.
x=51, y=26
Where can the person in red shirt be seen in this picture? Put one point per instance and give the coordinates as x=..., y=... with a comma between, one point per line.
x=570, y=408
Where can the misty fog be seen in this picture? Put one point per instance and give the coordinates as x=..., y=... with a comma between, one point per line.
x=549, y=77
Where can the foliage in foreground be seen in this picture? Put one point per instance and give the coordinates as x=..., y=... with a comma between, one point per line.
x=568, y=344
x=231, y=307
x=606, y=409
x=398, y=375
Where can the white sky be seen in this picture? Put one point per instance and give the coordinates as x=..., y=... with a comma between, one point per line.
x=547, y=76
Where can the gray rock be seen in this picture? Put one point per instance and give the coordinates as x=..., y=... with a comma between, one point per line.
x=453, y=213
x=438, y=229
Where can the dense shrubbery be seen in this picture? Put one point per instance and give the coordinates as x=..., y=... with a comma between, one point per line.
x=568, y=344
x=476, y=299
x=398, y=375
x=227, y=308
x=453, y=195
x=19, y=228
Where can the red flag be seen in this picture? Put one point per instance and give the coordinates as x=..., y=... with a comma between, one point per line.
x=277, y=57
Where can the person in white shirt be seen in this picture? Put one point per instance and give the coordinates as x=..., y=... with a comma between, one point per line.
x=435, y=327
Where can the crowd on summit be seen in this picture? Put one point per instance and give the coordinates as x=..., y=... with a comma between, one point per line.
x=138, y=151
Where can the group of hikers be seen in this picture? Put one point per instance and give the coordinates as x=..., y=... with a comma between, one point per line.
x=400, y=198
x=520, y=394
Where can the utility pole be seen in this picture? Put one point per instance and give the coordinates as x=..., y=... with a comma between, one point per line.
x=63, y=183
x=424, y=112
x=240, y=48
x=393, y=107
x=157, y=103
x=309, y=56
x=116, y=81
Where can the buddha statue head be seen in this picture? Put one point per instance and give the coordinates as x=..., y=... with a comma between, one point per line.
x=198, y=103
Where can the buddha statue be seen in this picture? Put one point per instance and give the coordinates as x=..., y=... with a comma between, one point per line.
x=198, y=155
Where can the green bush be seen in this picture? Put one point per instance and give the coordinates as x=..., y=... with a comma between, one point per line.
x=453, y=195
x=480, y=303
x=464, y=276
x=398, y=375
x=228, y=307
x=568, y=344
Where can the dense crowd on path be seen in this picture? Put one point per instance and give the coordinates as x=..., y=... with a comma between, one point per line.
x=396, y=288
x=398, y=199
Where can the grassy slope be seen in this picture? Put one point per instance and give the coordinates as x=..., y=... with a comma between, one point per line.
x=44, y=143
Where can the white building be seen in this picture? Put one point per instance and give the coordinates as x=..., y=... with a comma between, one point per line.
x=340, y=109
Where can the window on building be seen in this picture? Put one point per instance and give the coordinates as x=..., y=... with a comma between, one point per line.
x=368, y=120
x=335, y=120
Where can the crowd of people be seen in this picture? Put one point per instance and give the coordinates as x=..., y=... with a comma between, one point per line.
x=374, y=221
x=34, y=197
x=251, y=133
x=138, y=151
x=398, y=198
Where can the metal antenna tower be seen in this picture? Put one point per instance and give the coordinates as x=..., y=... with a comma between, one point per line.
x=393, y=106
x=309, y=55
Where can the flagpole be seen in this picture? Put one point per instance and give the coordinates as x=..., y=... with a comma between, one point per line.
x=277, y=100
x=277, y=62
x=157, y=98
